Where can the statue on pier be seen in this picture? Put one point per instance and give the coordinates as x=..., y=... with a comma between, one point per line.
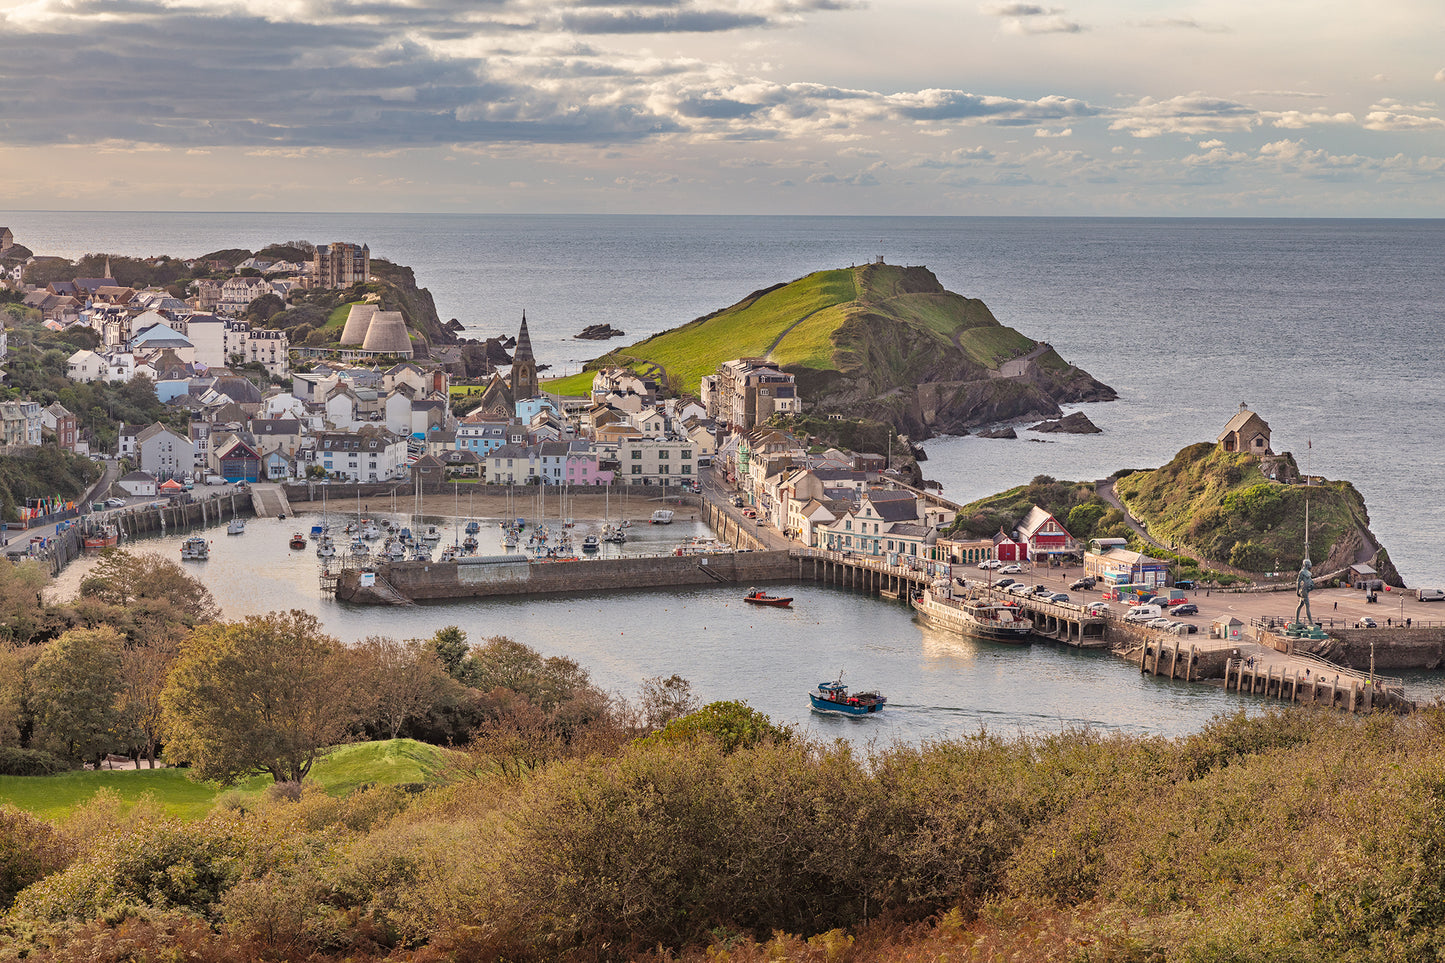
x=1304, y=582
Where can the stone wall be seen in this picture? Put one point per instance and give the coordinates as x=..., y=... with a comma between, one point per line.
x=1394, y=648
x=489, y=577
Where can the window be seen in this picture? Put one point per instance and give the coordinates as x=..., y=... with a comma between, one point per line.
x=685, y=454
x=662, y=454
x=636, y=454
x=687, y=469
x=637, y=469
x=663, y=469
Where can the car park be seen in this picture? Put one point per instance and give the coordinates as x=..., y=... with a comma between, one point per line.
x=1083, y=584
x=1188, y=608
x=1013, y=568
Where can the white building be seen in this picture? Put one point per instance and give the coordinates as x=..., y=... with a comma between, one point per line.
x=162, y=453
x=365, y=456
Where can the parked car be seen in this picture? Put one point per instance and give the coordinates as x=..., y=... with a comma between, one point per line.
x=749, y=513
x=1018, y=588
x=1097, y=608
x=1185, y=584
x=1188, y=608
x=1013, y=568
x=1431, y=595
x=114, y=502
x=1059, y=597
x=1083, y=584
x=1004, y=583
x=1043, y=590
x=1368, y=623
x=990, y=563
x=1159, y=623
x=737, y=501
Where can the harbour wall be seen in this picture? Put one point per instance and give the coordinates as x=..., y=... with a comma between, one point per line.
x=310, y=491
x=176, y=516
x=509, y=576
x=730, y=529
x=1393, y=648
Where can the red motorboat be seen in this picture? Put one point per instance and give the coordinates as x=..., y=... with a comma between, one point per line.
x=759, y=597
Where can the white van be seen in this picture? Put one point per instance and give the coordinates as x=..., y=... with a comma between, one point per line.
x=1143, y=613
x=1431, y=595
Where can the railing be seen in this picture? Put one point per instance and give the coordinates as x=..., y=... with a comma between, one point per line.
x=1271, y=624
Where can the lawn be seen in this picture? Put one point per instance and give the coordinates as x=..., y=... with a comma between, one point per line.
x=390, y=762
x=336, y=320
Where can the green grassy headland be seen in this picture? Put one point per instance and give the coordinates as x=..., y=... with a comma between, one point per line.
x=828, y=321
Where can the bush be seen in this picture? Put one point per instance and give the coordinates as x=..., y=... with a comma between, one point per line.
x=30, y=850
x=29, y=762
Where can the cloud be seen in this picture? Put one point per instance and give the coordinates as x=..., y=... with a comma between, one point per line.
x=1440, y=75
x=1391, y=115
x=1298, y=120
x=1190, y=114
x=1031, y=18
x=1181, y=23
x=1046, y=132
x=934, y=105
x=680, y=21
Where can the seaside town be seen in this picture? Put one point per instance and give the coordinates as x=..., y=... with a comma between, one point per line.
x=417, y=479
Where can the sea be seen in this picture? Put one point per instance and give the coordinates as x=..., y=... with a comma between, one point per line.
x=1331, y=330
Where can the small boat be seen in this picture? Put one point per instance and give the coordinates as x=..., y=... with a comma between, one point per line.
x=404, y=534
x=432, y=535
x=237, y=526
x=325, y=549
x=317, y=530
x=470, y=543
x=100, y=535
x=359, y=547
x=449, y=554
x=759, y=597
x=473, y=527
x=510, y=541
x=834, y=697
x=663, y=516
x=369, y=531
x=298, y=540
x=589, y=543
x=614, y=534
x=196, y=548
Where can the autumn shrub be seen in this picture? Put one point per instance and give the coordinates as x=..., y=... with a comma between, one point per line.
x=29, y=762
x=164, y=864
x=30, y=850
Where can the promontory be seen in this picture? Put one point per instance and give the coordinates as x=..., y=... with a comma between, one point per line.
x=877, y=341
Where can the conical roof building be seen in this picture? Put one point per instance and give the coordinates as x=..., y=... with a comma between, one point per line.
x=524, y=366
x=386, y=334
x=354, y=334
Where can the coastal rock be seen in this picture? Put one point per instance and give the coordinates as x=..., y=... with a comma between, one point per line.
x=999, y=433
x=1076, y=424
x=598, y=332
x=454, y=326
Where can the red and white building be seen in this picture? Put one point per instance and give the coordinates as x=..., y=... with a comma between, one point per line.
x=1044, y=535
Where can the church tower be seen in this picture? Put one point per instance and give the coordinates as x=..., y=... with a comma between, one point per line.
x=524, y=366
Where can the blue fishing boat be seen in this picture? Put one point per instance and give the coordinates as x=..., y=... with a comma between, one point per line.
x=834, y=697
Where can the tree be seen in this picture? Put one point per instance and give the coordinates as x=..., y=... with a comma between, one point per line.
x=150, y=587
x=268, y=694
x=546, y=683
x=450, y=645
x=404, y=678
x=75, y=686
x=21, y=606
x=664, y=700
x=144, y=667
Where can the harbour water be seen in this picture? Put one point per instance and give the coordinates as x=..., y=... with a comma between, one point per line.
x=938, y=684
x=1331, y=329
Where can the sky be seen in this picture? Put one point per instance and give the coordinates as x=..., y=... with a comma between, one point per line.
x=1316, y=108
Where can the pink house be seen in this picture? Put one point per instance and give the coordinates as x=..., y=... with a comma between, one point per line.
x=582, y=468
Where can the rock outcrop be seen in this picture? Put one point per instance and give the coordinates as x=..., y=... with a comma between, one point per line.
x=1076, y=424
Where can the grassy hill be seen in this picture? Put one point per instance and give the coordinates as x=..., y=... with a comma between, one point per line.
x=1222, y=507
x=390, y=762
x=864, y=340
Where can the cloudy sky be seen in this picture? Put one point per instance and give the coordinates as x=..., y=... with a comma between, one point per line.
x=1218, y=107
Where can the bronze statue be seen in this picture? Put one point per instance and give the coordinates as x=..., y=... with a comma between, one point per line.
x=1304, y=582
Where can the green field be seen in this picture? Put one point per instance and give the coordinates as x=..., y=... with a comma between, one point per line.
x=336, y=320
x=53, y=797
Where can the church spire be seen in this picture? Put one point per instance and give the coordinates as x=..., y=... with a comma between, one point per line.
x=524, y=366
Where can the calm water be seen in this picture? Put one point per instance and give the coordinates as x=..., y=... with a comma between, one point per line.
x=1331, y=329
x=938, y=684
